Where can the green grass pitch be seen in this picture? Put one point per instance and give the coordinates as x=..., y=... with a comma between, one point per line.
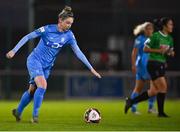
x=68, y=116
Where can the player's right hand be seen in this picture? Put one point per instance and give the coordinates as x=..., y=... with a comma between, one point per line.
x=10, y=54
x=95, y=73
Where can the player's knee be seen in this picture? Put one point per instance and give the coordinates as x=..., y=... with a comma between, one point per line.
x=41, y=82
x=154, y=93
x=162, y=87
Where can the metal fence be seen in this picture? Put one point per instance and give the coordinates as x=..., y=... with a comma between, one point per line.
x=79, y=84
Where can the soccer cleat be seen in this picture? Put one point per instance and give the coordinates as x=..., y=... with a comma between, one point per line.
x=163, y=115
x=127, y=105
x=152, y=111
x=34, y=120
x=15, y=114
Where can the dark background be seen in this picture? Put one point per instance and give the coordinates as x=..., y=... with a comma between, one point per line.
x=98, y=23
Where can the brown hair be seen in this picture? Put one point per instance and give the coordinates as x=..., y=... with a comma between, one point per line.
x=65, y=13
x=159, y=23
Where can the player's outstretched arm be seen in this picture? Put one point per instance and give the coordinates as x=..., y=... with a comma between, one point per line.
x=83, y=58
x=26, y=38
x=150, y=50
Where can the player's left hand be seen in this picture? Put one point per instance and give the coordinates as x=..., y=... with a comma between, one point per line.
x=95, y=73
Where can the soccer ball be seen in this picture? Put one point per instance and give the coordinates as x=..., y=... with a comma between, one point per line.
x=92, y=115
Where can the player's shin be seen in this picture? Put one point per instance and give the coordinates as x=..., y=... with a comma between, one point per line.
x=142, y=97
x=151, y=101
x=160, y=102
x=38, y=98
x=25, y=100
x=134, y=107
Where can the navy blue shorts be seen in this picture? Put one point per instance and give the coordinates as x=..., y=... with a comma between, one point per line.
x=156, y=69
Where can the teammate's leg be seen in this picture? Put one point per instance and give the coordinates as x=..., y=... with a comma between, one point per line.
x=38, y=96
x=25, y=100
x=157, y=71
x=142, y=97
x=138, y=87
x=151, y=100
x=161, y=84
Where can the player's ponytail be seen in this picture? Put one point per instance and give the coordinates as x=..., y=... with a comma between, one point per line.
x=159, y=23
x=139, y=29
x=65, y=13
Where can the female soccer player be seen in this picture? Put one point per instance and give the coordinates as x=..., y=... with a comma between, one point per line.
x=41, y=60
x=160, y=45
x=139, y=63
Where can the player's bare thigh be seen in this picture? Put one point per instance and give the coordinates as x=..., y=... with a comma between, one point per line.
x=160, y=84
x=153, y=89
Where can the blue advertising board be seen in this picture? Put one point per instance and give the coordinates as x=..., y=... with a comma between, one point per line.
x=84, y=86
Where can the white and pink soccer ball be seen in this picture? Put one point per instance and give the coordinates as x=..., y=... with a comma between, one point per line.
x=92, y=115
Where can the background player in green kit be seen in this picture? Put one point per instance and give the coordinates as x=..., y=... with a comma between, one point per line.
x=160, y=45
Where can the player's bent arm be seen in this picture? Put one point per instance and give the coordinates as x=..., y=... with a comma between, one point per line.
x=150, y=50
x=80, y=55
x=26, y=38
x=83, y=58
x=133, y=59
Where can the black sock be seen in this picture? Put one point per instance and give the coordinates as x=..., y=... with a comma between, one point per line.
x=141, y=97
x=160, y=102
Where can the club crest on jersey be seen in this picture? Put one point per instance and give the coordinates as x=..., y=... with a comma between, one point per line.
x=137, y=42
x=62, y=40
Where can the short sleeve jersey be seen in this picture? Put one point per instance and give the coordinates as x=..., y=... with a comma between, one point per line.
x=156, y=41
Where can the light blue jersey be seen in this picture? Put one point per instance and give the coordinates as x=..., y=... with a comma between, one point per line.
x=41, y=59
x=141, y=59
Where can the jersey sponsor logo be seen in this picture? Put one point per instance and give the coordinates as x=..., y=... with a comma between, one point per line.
x=54, y=45
x=137, y=42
